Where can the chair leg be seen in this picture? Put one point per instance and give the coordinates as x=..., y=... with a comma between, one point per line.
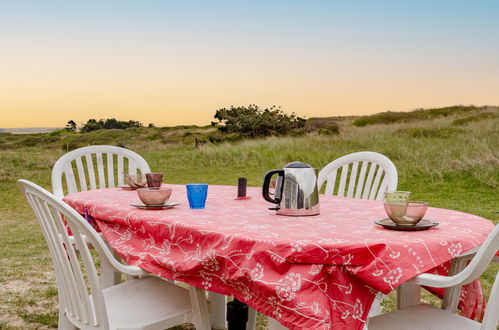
x=408, y=295
x=201, y=318
x=64, y=323
x=251, y=325
x=273, y=324
x=452, y=294
x=218, y=316
x=108, y=276
x=376, y=306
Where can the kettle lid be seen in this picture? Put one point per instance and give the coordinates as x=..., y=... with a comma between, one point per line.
x=297, y=165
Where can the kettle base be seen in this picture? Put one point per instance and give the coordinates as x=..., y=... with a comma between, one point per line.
x=298, y=212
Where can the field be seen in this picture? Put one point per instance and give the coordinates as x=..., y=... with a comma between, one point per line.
x=451, y=161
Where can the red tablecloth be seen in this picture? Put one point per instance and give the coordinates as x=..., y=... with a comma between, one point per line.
x=316, y=272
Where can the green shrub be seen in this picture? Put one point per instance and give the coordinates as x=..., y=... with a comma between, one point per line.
x=155, y=136
x=469, y=119
x=252, y=121
x=68, y=146
x=215, y=137
x=232, y=137
x=419, y=114
x=440, y=132
x=31, y=141
x=58, y=132
x=331, y=129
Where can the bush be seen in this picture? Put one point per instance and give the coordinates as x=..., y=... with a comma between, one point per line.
x=68, y=146
x=93, y=125
x=215, y=137
x=58, y=132
x=419, y=114
x=441, y=132
x=331, y=129
x=469, y=119
x=31, y=141
x=251, y=121
x=155, y=136
x=324, y=125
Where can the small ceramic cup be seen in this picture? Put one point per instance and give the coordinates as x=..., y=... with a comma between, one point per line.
x=154, y=179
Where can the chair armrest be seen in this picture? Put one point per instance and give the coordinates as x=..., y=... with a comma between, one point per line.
x=129, y=270
x=435, y=281
x=439, y=281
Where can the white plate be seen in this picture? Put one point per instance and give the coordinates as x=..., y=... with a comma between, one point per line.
x=167, y=205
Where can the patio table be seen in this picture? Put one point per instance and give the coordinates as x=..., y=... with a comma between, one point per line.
x=316, y=272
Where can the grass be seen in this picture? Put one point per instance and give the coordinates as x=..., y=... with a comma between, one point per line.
x=455, y=168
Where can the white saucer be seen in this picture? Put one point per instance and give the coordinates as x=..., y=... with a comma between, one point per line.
x=167, y=205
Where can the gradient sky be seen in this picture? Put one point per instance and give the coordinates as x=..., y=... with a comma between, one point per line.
x=176, y=62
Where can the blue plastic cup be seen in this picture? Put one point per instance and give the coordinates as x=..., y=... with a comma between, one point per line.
x=196, y=194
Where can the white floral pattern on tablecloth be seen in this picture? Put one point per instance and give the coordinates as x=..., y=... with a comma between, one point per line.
x=318, y=272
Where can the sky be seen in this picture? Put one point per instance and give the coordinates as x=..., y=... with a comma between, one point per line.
x=177, y=62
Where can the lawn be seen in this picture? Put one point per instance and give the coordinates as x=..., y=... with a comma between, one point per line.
x=448, y=166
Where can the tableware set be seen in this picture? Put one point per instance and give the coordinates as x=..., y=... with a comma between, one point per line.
x=156, y=197
x=404, y=214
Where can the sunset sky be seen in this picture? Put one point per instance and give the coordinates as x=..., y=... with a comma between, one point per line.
x=176, y=62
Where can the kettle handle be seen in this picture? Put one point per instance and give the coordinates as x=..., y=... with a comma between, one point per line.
x=266, y=186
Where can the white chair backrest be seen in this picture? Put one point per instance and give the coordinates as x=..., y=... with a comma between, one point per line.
x=79, y=291
x=369, y=175
x=109, y=168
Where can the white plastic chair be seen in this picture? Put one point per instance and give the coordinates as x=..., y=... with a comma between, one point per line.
x=369, y=175
x=377, y=175
x=96, y=167
x=143, y=303
x=427, y=317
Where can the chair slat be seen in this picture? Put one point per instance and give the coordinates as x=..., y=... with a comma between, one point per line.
x=331, y=182
x=132, y=166
x=353, y=179
x=82, y=298
x=91, y=172
x=121, y=170
x=382, y=189
x=70, y=181
x=343, y=180
x=369, y=180
x=81, y=174
x=374, y=188
x=360, y=182
x=93, y=277
x=110, y=170
x=100, y=171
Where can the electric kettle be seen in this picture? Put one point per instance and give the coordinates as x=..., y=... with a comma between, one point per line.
x=296, y=192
